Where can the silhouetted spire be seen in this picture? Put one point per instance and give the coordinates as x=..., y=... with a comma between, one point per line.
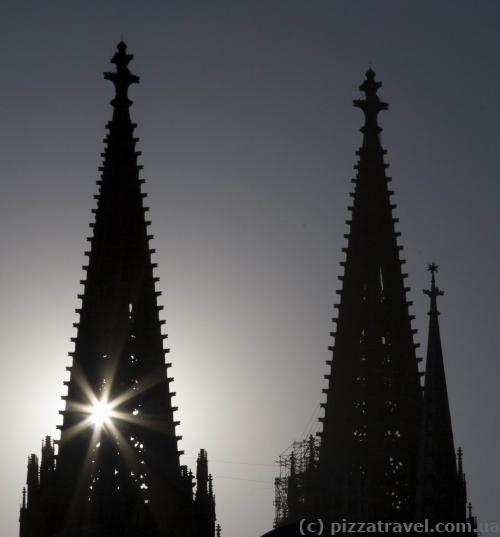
x=31, y=513
x=202, y=475
x=368, y=452
x=24, y=523
x=205, y=500
x=385, y=452
x=470, y=516
x=118, y=469
x=47, y=466
x=440, y=491
x=119, y=349
x=32, y=481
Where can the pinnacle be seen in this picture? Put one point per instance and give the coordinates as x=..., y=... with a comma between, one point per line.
x=122, y=78
x=371, y=104
x=434, y=291
x=370, y=85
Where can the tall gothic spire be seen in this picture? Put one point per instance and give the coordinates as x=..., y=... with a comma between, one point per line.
x=441, y=488
x=368, y=452
x=118, y=470
x=386, y=450
x=204, y=498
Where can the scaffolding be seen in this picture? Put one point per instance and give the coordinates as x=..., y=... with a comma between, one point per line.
x=298, y=463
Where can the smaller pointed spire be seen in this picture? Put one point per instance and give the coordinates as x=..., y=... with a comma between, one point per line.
x=471, y=519
x=47, y=463
x=462, y=483
x=24, y=498
x=441, y=492
x=204, y=496
x=33, y=484
x=218, y=530
x=202, y=477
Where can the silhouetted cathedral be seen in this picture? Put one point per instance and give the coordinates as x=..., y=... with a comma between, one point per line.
x=386, y=450
x=117, y=471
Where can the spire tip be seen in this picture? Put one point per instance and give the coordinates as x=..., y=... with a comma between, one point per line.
x=434, y=291
x=371, y=104
x=122, y=78
x=433, y=268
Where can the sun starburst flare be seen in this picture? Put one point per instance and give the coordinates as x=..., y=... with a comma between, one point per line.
x=100, y=414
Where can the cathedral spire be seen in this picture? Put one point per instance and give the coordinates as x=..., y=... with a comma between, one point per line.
x=440, y=488
x=368, y=455
x=385, y=453
x=118, y=464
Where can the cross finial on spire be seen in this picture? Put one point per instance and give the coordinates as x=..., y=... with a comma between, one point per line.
x=434, y=291
x=122, y=78
x=371, y=104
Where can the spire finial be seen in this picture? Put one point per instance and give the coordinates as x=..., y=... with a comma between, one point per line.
x=122, y=78
x=24, y=497
x=371, y=104
x=218, y=530
x=434, y=291
x=433, y=269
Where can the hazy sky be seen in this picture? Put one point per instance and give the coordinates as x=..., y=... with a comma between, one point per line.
x=248, y=137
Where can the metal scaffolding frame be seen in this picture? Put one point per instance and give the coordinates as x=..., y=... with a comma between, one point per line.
x=302, y=456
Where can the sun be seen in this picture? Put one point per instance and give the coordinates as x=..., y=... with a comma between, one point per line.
x=100, y=414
